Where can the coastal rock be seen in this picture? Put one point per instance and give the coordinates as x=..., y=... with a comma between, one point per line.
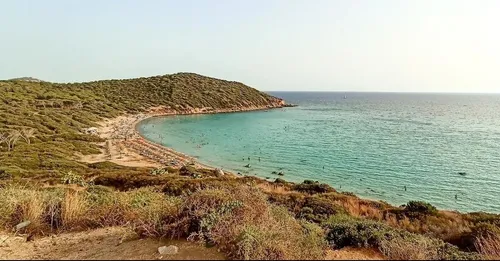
x=219, y=172
x=22, y=225
x=170, y=250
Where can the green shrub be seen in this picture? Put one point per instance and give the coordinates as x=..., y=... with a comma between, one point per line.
x=4, y=174
x=158, y=171
x=477, y=217
x=105, y=165
x=280, y=181
x=345, y=231
x=320, y=209
x=415, y=208
x=189, y=171
x=313, y=188
x=350, y=194
x=72, y=178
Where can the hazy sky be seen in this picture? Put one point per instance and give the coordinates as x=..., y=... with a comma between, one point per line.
x=382, y=45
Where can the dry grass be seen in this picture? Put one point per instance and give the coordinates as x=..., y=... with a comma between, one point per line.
x=19, y=205
x=399, y=249
x=239, y=220
x=358, y=208
x=489, y=246
x=237, y=217
x=73, y=210
x=67, y=209
x=273, y=188
x=258, y=230
x=445, y=225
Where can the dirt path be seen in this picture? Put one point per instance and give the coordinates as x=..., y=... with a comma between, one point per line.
x=349, y=253
x=120, y=243
x=101, y=244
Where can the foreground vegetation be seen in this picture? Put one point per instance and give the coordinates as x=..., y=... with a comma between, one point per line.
x=42, y=181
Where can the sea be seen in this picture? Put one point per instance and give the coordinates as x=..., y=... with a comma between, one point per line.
x=440, y=148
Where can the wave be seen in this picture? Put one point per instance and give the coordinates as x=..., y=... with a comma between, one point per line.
x=403, y=121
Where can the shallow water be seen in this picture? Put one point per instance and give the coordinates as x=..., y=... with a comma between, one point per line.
x=372, y=144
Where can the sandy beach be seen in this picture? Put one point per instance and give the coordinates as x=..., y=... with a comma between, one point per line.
x=125, y=146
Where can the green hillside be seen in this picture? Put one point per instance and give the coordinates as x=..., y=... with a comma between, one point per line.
x=58, y=111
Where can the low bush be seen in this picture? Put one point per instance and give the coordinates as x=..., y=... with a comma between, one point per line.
x=394, y=243
x=280, y=181
x=313, y=187
x=478, y=217
x=317, y=209
x=73, y=178
x=239, y=220
x=417, y=208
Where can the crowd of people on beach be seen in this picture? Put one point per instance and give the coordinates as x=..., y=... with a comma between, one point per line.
x=155, y=152
x=125, y=128
x=124, y=132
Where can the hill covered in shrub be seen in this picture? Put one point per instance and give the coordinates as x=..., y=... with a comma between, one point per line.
x=57, y=112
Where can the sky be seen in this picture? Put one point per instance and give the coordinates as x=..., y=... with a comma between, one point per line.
x=272, y=45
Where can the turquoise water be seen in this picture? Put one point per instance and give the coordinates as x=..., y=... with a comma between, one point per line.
x=372, y=144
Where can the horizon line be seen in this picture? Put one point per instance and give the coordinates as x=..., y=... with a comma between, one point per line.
x=409, y=92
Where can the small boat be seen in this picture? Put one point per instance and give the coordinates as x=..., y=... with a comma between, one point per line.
x=462, y=173
x=345, y=96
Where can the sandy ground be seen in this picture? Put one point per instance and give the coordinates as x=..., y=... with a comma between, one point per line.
x=106, y=243
x=114, y=150
x=125, y=146
x=120, y=243
x=349, y=253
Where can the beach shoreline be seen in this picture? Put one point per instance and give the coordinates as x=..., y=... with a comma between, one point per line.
x=125, y=145
x=130, y=123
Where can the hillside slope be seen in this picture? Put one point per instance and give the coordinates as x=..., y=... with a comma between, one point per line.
x=26, y=79
x=59, y=111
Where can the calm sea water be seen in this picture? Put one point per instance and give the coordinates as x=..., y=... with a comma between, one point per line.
x=372, y=144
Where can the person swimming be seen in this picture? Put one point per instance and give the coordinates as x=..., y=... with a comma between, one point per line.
x=405, y=188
